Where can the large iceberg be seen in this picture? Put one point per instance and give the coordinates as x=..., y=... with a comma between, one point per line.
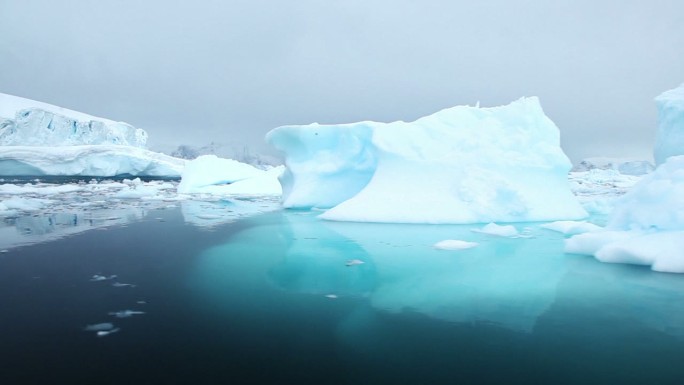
x=25, y=122
x=39, y=139
x=670, y=137
x=460, y=165
x=646, y=226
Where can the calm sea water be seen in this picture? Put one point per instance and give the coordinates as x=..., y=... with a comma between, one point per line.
x=270, y=300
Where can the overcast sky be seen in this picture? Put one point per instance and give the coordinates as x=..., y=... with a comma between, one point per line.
x=228, y=71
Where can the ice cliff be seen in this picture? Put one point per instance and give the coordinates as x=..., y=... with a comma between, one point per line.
x=41, y=139
x=25, y=122
x=670, y=137
x=460, y=165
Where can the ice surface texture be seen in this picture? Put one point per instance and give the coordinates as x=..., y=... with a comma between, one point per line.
x=26, y=122
x=670, y=137
x=460, y=165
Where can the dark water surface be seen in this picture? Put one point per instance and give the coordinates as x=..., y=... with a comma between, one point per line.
x=250, y=303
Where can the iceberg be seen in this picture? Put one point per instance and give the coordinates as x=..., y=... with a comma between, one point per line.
x=646, y=226
x=209, y=174
x=39, y=139
x=460, y=165
x=87, y=160
x=26, y=122
x=670, y=137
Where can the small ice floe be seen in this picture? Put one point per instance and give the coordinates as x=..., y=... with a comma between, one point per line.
x=98, y=277
x=208, y=216
x=331, y=296
x=572, y=227
x=141, y=302
x=498, y=230
x=119, y=284
x=104, y=326
x=125, y=313
x=4, y=251
x=354, y=262
x=454, y=244
x=107, y=332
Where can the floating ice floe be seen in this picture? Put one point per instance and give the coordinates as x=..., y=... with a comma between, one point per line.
x=119, y=284
x=498, y=230
x=354, y=262
x=99, y=327
x=97, y=277
x=572, y=227
x=125, y=313
x=454, y=244
x=107, y=332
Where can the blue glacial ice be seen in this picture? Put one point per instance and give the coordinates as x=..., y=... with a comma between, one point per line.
x=460, y=165
x=670, y=137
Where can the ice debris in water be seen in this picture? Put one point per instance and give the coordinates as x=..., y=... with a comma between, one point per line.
x=119, y=284
x=97, y=277
x=354, y=262
x=454, y=244
x=498, y=230
x=107, y=332
x=331, y=296
x=99, y=327
x=125, y=313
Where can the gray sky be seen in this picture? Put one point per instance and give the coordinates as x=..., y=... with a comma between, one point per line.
x=228, y=71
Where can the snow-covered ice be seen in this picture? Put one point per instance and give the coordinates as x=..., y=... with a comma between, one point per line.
x=670, y=137
x=460, y=165
x=28, y=122
x=209, y=174
x=625, y=166
x=572, y=227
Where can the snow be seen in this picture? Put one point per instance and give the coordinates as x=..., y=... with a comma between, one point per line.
x=209, y=174
x=670, y=136
x=460, y=165
x=647, y=224
x=86, y=160
x=31, y=123
x=454, y=244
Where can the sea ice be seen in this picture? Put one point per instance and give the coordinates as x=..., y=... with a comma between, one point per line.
x=460, y=165
x=125, y=313
x=99, y=327
x=454, y=244
x=670, y=137
x=572, y=227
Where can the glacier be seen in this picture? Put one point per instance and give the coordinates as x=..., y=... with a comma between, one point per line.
x=646, y=225
x=460, y=165
x=670, y=136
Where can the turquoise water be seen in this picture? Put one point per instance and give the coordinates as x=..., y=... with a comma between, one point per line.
x=270, y=299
